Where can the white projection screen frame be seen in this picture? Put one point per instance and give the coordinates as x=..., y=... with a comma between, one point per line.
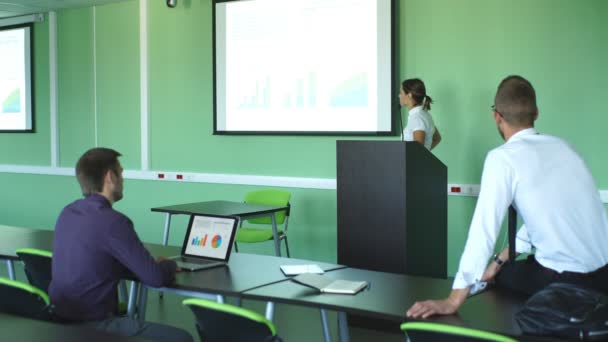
x=304, y=67
x=16, y=75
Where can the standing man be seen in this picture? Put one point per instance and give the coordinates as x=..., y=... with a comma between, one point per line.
x=555, y=194
x=95, y=247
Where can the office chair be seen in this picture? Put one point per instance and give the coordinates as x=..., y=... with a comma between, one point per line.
x=217, y=322
x=38, y=270
x=424, y=331
x=37, y=266
x=271, y=197
x=21, y=299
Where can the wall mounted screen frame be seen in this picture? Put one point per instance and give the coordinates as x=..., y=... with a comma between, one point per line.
x=250, y=74
x=16, y=79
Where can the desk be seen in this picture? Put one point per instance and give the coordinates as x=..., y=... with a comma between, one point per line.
x=244, y=272
x=15, y=328
x=13, y=238
x=241, y=210
x=390, y=295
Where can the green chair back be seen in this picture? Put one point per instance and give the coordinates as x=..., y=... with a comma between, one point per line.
x=224, y=322
x=272, y=197
x=426, y=331
x=38, y=266
x=21, y=299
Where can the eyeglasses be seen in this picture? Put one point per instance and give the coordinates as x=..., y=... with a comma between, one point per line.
x=493, y=107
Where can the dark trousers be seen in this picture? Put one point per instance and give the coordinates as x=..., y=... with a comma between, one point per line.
x=528, y=277
x=127, y=326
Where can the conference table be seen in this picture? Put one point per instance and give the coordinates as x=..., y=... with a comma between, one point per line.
x=258, y=277
x=16, y=328
x=243, y=211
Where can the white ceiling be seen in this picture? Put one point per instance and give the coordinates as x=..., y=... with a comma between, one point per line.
x=11, y=8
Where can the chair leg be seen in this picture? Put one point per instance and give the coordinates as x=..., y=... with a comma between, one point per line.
x=287, y=247
x=236, y=247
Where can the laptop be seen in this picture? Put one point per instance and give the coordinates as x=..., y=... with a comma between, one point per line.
x=208, y=242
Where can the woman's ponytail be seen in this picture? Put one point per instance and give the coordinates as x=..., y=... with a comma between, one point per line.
x=427, y=103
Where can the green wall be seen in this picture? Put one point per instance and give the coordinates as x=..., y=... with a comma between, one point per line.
x=462, y=49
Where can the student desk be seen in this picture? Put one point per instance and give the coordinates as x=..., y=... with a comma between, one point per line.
x=15, y=328
x=241, y=210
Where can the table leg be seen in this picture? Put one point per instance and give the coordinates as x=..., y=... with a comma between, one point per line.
x=142, y=302
x=167, y=227
x=166, y=237
x=275, y=235
x=343, y=327
x=122, y=291
x=269, y=311
x=11, y=269
x=132, y=299
x=325, y=326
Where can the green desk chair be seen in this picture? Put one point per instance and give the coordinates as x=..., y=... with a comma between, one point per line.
x=271, y=197
x=38, y=270
x=424, y=331
x=37, y=266
x=216, y=322
x=21, y=299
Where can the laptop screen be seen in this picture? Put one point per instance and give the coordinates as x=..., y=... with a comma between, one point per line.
x=210, y=237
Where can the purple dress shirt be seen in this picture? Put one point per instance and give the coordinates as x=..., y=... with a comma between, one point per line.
x=94, y=247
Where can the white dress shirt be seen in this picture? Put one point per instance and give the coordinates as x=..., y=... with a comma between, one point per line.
x=419, y=120
x=556, y=196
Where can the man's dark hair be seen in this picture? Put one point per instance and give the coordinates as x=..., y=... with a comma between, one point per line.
x=515, y=101
x=93, y=166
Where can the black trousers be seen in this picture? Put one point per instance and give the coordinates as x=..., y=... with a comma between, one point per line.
x=528, y=277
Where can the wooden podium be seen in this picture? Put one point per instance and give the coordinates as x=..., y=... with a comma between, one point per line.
x=392, y=208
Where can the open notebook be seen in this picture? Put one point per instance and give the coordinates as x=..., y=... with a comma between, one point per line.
x=327, y=285
x=290, y=270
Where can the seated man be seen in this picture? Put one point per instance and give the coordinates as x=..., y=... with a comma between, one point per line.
x=555, y=194
x=95, y=246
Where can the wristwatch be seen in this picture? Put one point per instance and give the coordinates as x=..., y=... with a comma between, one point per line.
x=497, y=260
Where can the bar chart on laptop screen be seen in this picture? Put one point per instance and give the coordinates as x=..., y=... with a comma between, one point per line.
x=209, y=237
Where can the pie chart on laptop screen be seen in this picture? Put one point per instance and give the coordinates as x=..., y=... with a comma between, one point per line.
x=216, y=241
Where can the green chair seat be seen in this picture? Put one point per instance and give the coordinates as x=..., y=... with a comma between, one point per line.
x=22, y=299
x=250, y=235
x=426, y=331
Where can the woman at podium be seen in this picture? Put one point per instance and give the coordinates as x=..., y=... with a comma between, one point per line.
x=420, y=125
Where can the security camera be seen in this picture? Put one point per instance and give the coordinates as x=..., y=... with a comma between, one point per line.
x=171, y=3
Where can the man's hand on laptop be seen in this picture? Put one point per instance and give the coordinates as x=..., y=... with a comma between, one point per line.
x=162, y=258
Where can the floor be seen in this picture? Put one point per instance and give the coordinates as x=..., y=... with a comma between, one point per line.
x=294, y=324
